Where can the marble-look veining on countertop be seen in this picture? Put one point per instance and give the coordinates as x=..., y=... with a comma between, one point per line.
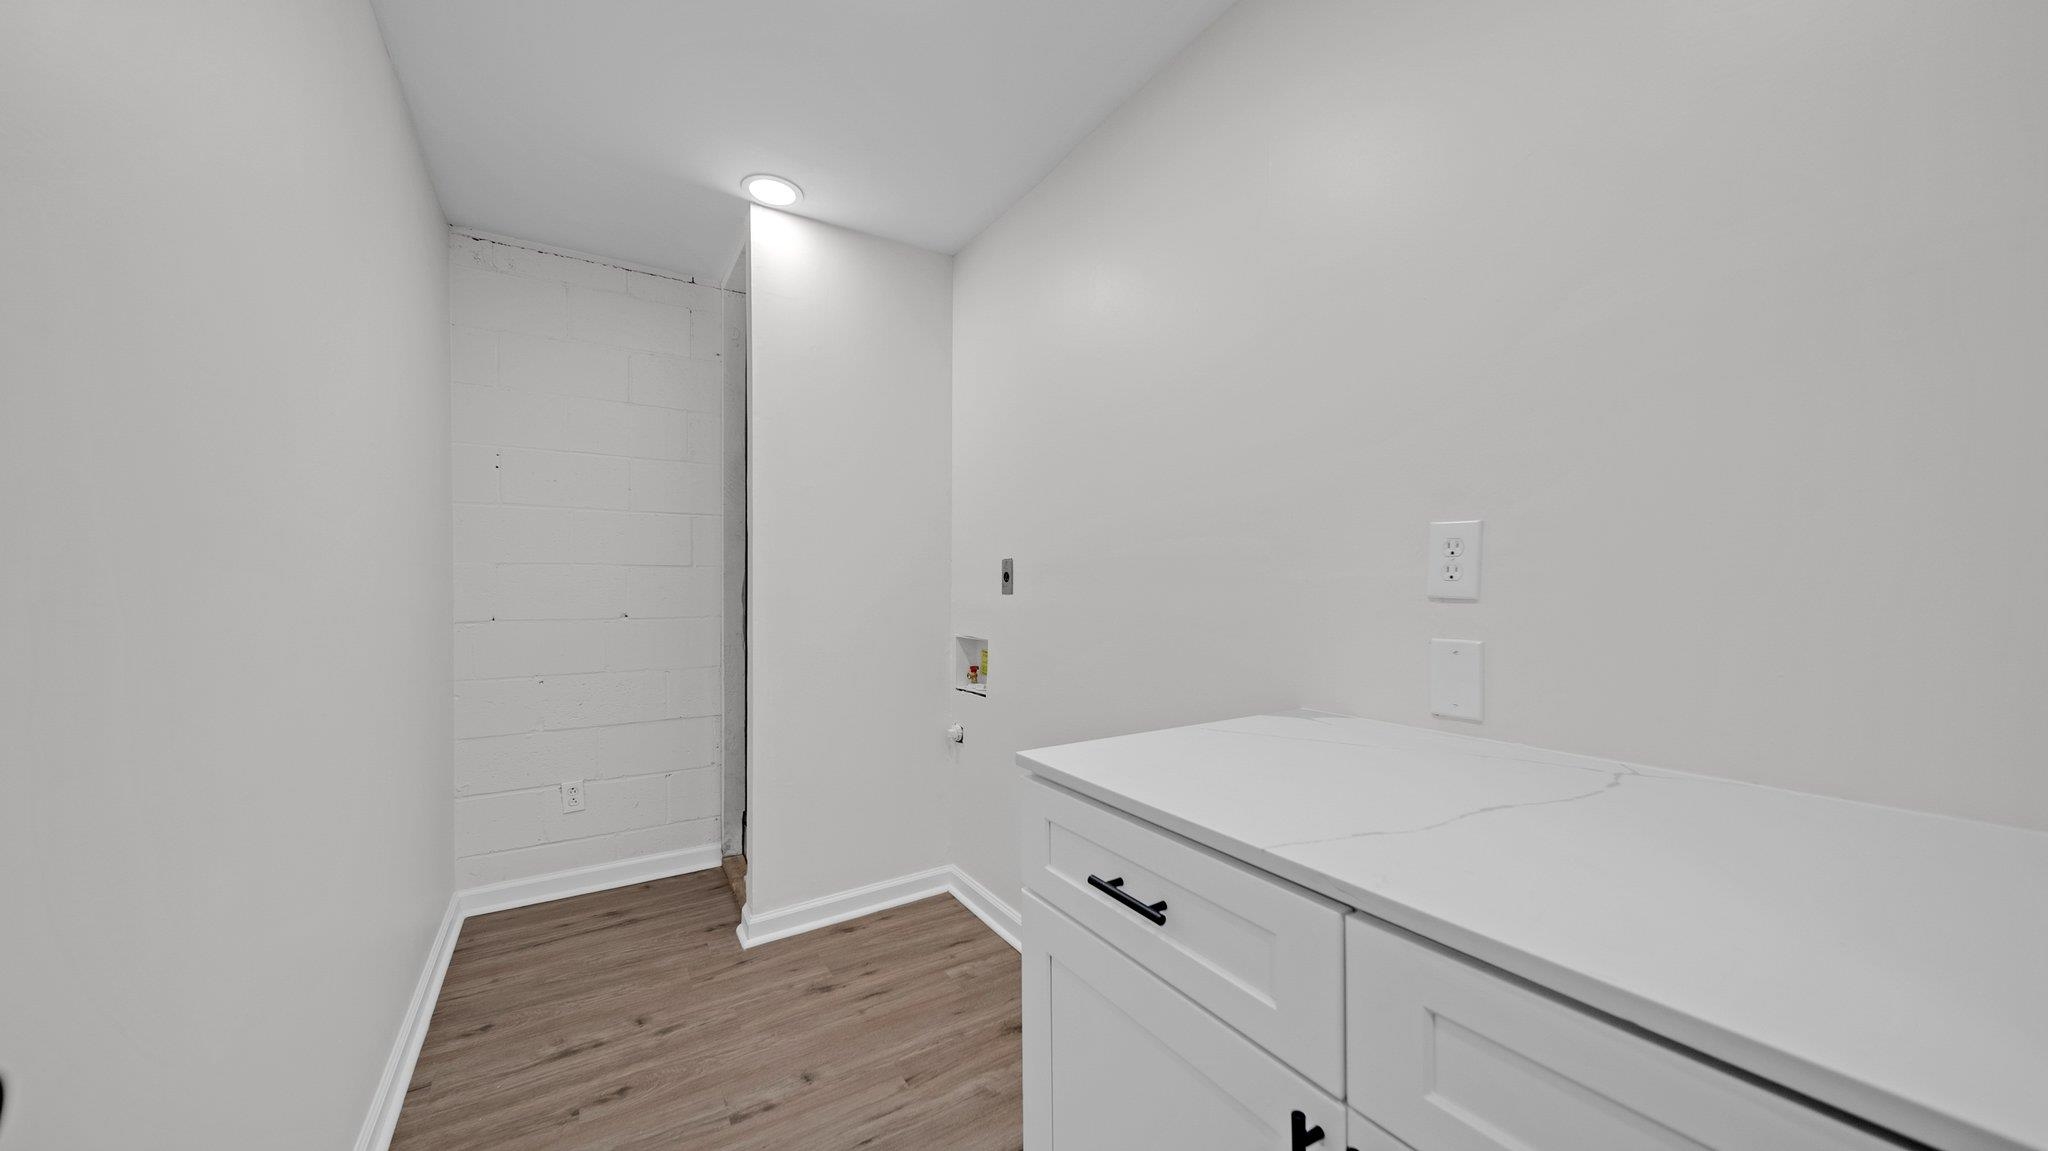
x=1888, y=962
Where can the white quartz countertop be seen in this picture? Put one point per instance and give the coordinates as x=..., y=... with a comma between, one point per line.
x=1889, y=963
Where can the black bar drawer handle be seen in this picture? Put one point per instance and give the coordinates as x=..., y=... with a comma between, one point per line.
x=1114, y=888
x=1305, y=1135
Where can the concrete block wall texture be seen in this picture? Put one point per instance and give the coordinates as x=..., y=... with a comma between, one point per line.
x=587, y=449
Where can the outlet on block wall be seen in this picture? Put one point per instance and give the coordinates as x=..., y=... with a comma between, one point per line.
x=588, y=438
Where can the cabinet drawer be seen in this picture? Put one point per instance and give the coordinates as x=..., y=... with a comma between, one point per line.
x=1449, y=1055
x=1265, y=957
x=1114, y=1059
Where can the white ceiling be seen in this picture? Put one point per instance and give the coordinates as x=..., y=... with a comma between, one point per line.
x=622, y=128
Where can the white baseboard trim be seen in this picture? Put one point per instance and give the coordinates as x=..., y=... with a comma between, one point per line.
x=584, y=880
x=389, y=1099
x=1000, y=917
x=412, y=1032
x=757, y=928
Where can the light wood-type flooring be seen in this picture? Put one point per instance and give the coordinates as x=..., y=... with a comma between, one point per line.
x=632, y=1019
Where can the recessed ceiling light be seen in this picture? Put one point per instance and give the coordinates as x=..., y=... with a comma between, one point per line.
x=773, y=191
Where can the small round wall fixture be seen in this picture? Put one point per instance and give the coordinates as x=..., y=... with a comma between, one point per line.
x=773, y=191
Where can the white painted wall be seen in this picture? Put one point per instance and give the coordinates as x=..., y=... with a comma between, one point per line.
x=224, y=572
x=733, y=773
x=1725, y=317
x=848, y=495
x=589, y=529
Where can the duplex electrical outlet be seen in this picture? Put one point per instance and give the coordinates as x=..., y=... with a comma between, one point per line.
x=1454, y=550
x=572, y=795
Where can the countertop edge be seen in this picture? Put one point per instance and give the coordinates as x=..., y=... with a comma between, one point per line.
x=1895, y=1115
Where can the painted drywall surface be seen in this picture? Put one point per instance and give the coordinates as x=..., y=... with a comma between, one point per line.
x=847, y=568
x=589, y=525
x=1725, y=318
x=733, y=811
x=224, y=495
x=621, y=150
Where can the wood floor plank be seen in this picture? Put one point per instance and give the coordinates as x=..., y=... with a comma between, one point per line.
x=631, y=1019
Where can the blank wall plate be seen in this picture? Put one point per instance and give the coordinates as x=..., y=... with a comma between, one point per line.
x=1457, y=679
x=1454, y=549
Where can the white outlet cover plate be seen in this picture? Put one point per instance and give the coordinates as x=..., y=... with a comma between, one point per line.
x=1457, y=679
x=1454, y=551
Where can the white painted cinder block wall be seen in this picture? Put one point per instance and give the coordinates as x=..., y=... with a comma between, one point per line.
x=588, y=506
x=1727, y=319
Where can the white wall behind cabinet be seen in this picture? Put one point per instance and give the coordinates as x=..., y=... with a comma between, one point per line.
x=224, y=804
x=1725, y=317
x=589, y=583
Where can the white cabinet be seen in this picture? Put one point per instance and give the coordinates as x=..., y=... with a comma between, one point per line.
x=1115, y=1059
x=1362, y=1134
x=1265, y=956
x=1474, y=946
x=1449, y=1055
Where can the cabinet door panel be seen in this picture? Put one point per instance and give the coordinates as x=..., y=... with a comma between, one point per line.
x=1363, y=1134
x=1451, y=1055
x=1116, y=1059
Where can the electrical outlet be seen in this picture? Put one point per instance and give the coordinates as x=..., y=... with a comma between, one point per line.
x=1454, y=560
x=572, y=795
